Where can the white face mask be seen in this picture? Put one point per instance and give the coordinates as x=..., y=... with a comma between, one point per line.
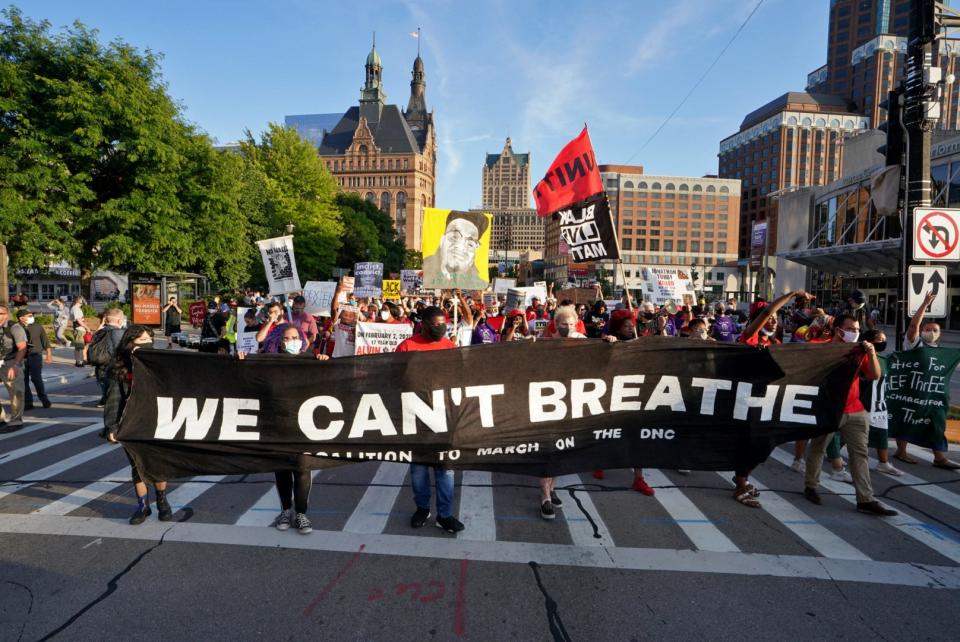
x=850, y=336
x=767, y=333
x=385, y=315
x=930, y=336
x=30, y=320
x=293, y=347
x=700, y=334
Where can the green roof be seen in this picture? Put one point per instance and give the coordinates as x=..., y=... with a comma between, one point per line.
x=373, y=58
x=519, y=159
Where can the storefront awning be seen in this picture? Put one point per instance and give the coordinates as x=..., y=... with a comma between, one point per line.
x=858, y=258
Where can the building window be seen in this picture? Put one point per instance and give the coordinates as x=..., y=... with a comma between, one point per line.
x=385, y=202
x=371, y=197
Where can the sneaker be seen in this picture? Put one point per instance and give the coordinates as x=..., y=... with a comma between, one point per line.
x=420, y=517
x=46, y=403
x=888, y=469
x=7, y=428
x=282, y=522
x=874, y=508
x=141, y=515
x=554, y=499
x=450, y=524
x=841, y=476
x=812, y=495
x=798, y=466
x=303, y=524
x=641, y=486
x=546, y=510
x=100, y=404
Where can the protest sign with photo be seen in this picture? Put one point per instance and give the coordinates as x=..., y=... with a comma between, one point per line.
x=374, y=338
x=391, y=289
x=319, y=296
x=346, y=289
x=368, y=279
x=490, y=300
x=411, y=282
x=657, y=403
x=279, y=264
x=344, y=332
x=660, y=285
x=246, y=339
x=456, y=247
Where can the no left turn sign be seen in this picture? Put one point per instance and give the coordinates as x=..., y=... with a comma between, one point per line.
x=936, y=234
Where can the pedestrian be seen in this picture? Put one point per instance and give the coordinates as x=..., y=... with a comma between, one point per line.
x=103, y=348
x=172, y=319
x=874, y=398
x=596, y=320
x=854, y=425
x=120, y=381
x=61, y=319
x=13, y=355
x=81, y=331
x=38, y=345
x=293, y=486
x=925, y=333
x=432, y=336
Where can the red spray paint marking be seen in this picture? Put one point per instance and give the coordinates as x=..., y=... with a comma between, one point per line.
x=459, y=627
x=307, y=612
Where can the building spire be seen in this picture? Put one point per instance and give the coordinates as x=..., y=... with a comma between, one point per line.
x=372, y=87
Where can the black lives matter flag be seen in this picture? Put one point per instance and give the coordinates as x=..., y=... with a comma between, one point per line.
x=572, y=191
x=564, y=406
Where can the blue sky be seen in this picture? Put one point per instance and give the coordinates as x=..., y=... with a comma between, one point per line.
x=535, y=71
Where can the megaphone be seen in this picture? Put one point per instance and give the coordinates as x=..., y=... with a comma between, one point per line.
x=670, y=306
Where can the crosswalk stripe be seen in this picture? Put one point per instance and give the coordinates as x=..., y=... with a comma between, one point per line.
x=13, y=455
x=28, y=431
x=182, y=495
x=373, y=509
x=579, y=521
x=476, y=506
x=805, y=527
x=57, y=468
x=85, y=495
x=919, y=485
x=694, y=524
x=925, y=454
x=924, y=533
x=265, y=509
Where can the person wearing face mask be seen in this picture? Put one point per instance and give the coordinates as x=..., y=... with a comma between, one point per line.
x=304, y=321
x=483, y=332
x=103, y=347
x=293, y=486
x=119, y=383
x=432, y=336
x=854, y=425
x=925, y=333
x=698, y=330
x=874, y=400
x=38, y=344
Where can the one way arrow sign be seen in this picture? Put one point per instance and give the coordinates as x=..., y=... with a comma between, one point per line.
x=925, y=279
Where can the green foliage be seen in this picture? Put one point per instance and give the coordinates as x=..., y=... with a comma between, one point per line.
x=372, y=236
x=413, y=260
x=124, y=307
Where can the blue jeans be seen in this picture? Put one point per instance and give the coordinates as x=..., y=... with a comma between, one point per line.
x=420, y=480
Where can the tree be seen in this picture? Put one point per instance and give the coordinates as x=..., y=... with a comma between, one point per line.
x=376, y=238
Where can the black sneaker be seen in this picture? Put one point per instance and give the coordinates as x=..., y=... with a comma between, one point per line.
x=546, y=510
x=554, y=499
x=450, y=524
x=812, y=495
x=28, y=407
x=141, y=515
x=46, y=403
x=282, y=522
x=420, y=517
x=874, y=508
x=302, y=524
x=7, y=428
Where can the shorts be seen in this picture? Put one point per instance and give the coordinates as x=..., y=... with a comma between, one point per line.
x=878, y=438
x=134, y=473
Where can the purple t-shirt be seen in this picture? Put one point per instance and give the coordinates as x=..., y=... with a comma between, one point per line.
x=483, y=333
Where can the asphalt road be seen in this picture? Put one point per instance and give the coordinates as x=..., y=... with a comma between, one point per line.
x=687, y=564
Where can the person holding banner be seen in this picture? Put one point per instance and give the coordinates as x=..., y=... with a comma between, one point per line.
x=432, y=336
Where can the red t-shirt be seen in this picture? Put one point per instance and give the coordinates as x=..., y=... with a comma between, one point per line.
x=417, y=343
x=552, y=327
x=496, y=322
x=853, y=397
x=758, y=340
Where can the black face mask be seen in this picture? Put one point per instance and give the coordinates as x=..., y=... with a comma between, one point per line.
x=646, y=315
x=880, y=345
x=563, y=331
x=436, y=332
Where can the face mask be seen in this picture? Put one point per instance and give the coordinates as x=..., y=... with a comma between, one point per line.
x=563, y=331
x=144, y=344
x=30, y=320
x=930, y=336
x=437, y=332
x=767, y=333
x=880, y=345
x=850, y=336
x=385, y=315
x=700, y=334
x=293, y=347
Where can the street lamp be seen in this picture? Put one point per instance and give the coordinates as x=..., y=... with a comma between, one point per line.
x=288, y=228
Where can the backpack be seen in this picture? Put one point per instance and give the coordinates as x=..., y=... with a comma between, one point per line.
x=724, y=329
x=102, y=348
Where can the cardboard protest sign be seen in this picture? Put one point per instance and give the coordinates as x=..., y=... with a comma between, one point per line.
x=279, y=264
x=391, y=289
x=374, y=338
x=319, y=296
x=456, y=247
x=368, y=279
x=410, y=281
x=246, y=339
x=582, y=295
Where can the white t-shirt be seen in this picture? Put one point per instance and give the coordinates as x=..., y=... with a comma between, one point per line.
x=916, y=343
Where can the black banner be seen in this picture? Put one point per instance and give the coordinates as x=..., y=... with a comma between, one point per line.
x=544, y=408
x=587, y=228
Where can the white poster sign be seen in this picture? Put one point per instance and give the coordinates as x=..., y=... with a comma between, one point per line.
x=319, y=295
x=280, y=264
x=246, y=340
x=663, y=284
x=376, y=338
x=500, y=286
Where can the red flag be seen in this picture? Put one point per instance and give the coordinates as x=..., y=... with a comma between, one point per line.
x=572, y=178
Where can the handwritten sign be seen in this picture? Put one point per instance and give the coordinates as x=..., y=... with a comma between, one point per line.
x=319, y=295
x=918, y=393
x=391, y=289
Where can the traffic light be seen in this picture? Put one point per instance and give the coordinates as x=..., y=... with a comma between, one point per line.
x=893, y=149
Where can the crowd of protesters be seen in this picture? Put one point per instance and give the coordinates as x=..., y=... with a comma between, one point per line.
x=455, y=319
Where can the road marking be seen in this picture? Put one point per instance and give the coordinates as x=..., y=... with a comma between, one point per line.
x=57, y=468
x=805, y=527
x=476, y=506
x=182, y=495
x=923, y=454
x=85, y=495
x=97, y=541
x=31, y=429
x=19, y=453
x=919, y=485
x=578, y=521
x=927, y=534
x=647, y=559
x=265, y=509
x=373, y=510
x=695, y=525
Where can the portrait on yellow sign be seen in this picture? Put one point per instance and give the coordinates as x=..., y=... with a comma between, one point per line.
x=456, y=248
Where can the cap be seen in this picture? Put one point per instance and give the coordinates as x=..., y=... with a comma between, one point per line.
x=22, y=312
x=477, y=218
x=857, y=296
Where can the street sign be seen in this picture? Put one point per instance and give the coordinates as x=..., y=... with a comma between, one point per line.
x=936, y=234
x=924, y=279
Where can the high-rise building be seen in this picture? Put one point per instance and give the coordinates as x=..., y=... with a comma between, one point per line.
x=385, y=154
x=312, y=127
x=793, y=141
x=506, y=180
